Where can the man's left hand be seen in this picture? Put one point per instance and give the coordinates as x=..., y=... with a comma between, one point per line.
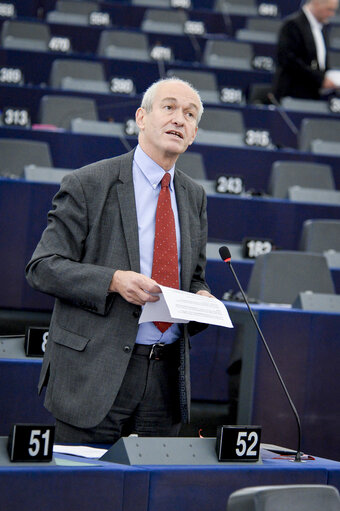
x=203, y=292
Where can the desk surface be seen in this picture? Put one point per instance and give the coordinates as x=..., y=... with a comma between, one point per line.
x=306, y=348
x=206, y=488
x=71, y=483
x=88, y=485
x=303, y=344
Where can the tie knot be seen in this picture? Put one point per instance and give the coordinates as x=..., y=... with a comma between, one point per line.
x=165, y=180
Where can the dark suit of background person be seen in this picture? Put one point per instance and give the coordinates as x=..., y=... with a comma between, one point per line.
x=298, y=73
x=92, y=232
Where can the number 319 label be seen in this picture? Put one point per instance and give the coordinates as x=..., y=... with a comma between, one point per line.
x=238, y=443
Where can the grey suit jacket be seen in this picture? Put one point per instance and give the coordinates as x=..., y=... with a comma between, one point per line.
x=92, y=231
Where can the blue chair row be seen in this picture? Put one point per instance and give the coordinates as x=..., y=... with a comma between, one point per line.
x=30, y=6
x=252, y=164
x=244, y=25
x=143, y=75
x=129, y=17
x=120, y=107
x=229, y=218
x=233, y=8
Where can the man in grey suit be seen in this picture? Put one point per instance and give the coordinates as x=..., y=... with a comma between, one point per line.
x=106, y=375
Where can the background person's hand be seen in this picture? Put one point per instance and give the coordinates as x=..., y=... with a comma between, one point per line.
x=328, y=84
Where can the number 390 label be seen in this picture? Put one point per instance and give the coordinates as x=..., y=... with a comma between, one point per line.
x=31, y=442
x=238, y=443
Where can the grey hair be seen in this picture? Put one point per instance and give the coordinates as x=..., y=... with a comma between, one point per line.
x=308, y=2
x=149, y=94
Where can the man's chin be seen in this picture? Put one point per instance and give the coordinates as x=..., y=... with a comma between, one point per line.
x=176, y=148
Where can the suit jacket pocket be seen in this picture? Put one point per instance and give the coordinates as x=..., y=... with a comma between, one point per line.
x=70, y=339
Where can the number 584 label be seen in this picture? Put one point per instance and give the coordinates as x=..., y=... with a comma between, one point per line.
x=31, y=442
x=238, y=443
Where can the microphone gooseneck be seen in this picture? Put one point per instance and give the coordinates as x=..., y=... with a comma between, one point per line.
x=226, y=257
x=283, y=114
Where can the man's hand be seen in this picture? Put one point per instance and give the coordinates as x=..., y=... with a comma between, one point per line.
x=328, y=84
x=203, y=292
x=134, y=287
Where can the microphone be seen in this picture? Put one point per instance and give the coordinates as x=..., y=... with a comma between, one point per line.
x=196, y=47
x=283, y=114
x=226, y=257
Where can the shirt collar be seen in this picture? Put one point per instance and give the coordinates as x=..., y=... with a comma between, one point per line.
x=151, y=170
x=312, y=19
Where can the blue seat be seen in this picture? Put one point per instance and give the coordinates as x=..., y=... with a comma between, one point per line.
x=297, y=497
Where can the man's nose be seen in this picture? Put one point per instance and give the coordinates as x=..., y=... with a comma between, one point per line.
x=178, y=117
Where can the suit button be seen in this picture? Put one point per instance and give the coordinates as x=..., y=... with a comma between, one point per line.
x=127, y=349
x=136, y=314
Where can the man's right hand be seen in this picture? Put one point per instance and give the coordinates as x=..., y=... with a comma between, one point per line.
x=328, y=84
x=134, y=287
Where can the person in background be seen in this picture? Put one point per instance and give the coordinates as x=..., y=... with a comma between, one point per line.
x=302, y=52
x=119, y=228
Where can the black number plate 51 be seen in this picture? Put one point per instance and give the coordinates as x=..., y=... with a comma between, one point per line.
x=31, y=442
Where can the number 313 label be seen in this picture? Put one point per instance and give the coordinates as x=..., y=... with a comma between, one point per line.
x=31, y=442
x=238, y=443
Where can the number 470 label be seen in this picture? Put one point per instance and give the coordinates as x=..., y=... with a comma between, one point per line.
x=238, y=443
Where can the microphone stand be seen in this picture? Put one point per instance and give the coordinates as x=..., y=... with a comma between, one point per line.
x=298, y=452
x=283, y=114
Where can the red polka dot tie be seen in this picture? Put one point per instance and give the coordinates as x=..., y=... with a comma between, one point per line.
x=165, y=257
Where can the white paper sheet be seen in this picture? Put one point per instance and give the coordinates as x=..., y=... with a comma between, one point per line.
x=178, y=306
x=79, y=450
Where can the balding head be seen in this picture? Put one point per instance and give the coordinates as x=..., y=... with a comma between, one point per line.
x=150, y=93
x=323, y=10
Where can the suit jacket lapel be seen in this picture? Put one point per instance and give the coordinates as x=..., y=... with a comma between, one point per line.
x=309, y=39
x=126, y=198
x=183, y=214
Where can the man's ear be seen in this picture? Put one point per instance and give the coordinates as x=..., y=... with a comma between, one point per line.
x=140, y=114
